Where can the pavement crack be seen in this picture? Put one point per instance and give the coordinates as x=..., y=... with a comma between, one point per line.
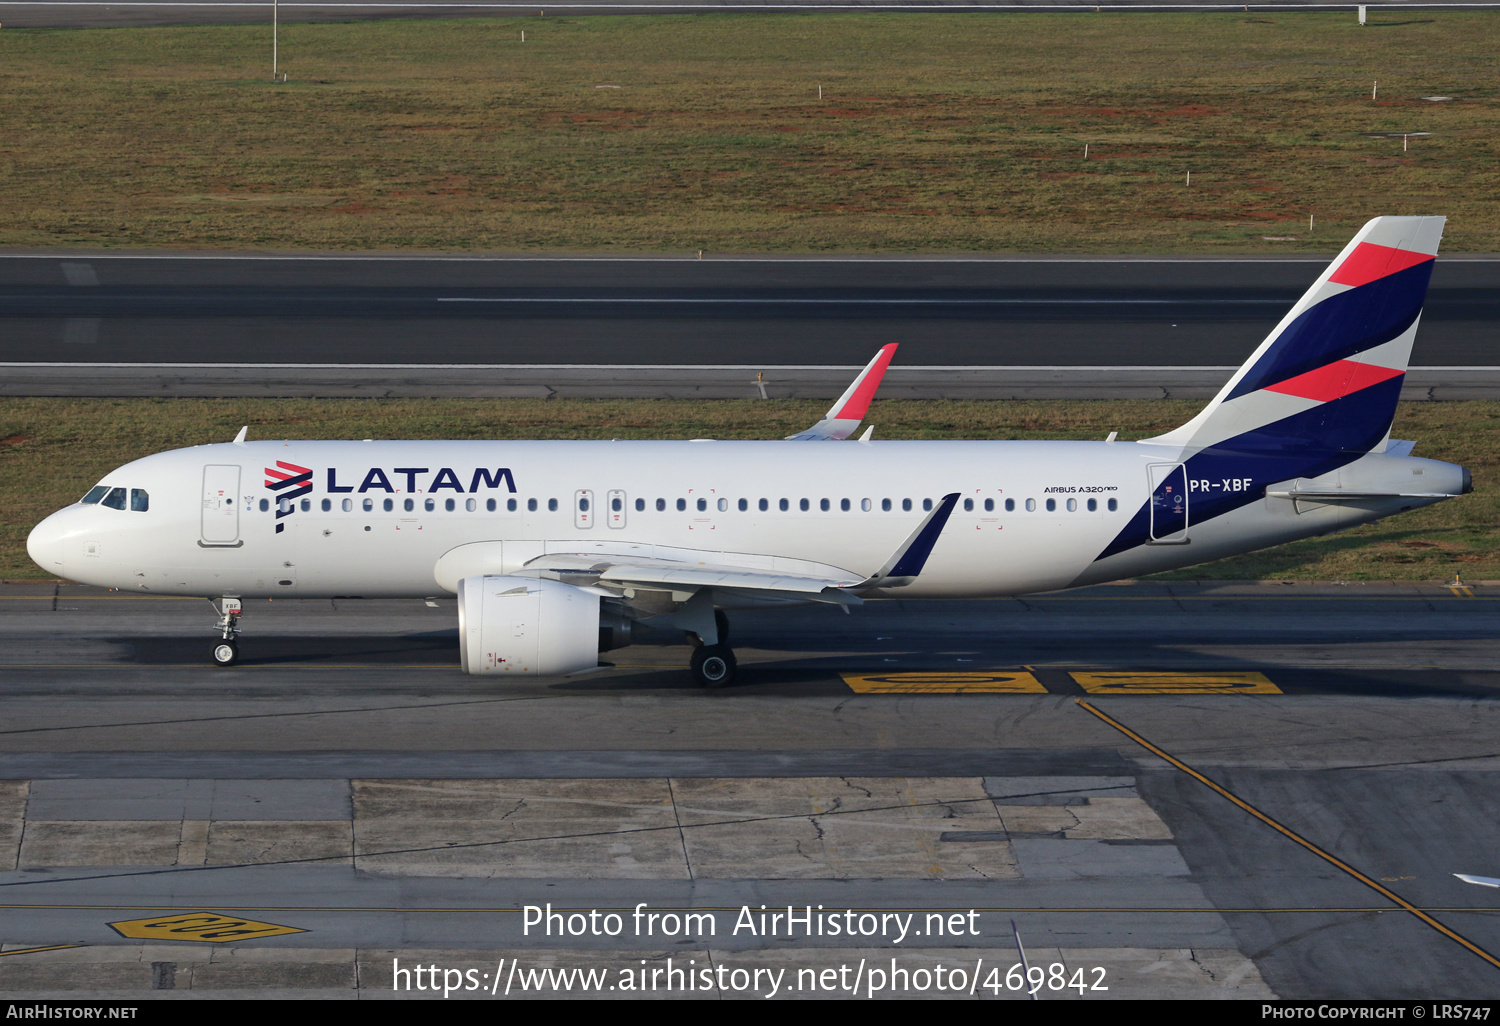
x=853, y=786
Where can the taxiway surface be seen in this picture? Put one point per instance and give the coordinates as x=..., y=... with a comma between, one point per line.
x=348, y=781
x=248, y=325
x=96, y=13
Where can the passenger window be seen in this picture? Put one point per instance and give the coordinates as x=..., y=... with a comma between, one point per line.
x=1113, y=505
x=640, y=505
x=968, y=505
x=283, y=505
x=764, y=505
x=583, y=505
x=1051, y=505
x=408, y=504
x=265, y=504
x=681, y=505
x=388, y=505
x=348, y=505
x=804, y=505
x=702, y=505
x=95, y=494
x=823, y=505
x=327, y=505
x=531, y=505
x=744, y=505
x=661, y=504
x=469, y=504
x=428, y=505
x=368, y=505
x=551, y=505
x=306, y=505
x=1031, y=505
x=927, y=505
x=1093, y=505
x=989, y=505
x=140, y=502
x=510, y=505
x=1072, y=505
x=865, y=505
x=1010, y=505
x=723, y=505
x=448, y=505
x=785, y=505
x=844, y=505
x=489, y=505
x=906, y=505
x=616, y=504
x=885, y=505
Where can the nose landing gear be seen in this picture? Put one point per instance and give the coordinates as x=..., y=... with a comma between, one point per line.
x=227, y=651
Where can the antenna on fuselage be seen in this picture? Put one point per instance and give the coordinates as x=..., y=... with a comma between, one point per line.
x=239, y=439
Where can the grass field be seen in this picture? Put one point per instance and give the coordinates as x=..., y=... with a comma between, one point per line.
x=935, y=132
x=53, y=450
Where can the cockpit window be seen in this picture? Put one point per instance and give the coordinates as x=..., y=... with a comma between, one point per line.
x=140, y=501
x=115, y=499
x=95, y=494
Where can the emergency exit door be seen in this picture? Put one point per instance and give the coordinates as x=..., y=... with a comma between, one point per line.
x=221, y=508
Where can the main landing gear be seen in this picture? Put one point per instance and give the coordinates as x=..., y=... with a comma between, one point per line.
x=227, y=651
x=714, y=665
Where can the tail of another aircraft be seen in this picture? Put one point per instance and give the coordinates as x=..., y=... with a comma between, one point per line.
x=1326, y=380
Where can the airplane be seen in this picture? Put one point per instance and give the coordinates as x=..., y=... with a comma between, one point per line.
x=555, y=550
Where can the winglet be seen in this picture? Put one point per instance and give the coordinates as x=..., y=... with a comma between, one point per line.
x=844, y=416
x=907, y=561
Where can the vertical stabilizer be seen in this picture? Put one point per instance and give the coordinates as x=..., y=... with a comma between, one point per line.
x=1328, y=377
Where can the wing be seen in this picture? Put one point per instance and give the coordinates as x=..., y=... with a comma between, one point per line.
x=685, y=572
x=844, y=416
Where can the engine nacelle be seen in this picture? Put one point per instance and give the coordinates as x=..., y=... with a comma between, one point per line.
x=522, y=625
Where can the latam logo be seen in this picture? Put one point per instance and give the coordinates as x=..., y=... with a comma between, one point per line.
x=289, y=481
x=376, y=479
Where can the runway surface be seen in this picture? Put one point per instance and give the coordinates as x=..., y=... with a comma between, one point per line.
x=204, y=324
x=77, y=14
x=346, y=780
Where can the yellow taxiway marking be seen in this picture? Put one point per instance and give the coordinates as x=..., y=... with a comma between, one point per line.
x=1222, y=792
x=199, y=926
x=47, y=947
x=945, y=683
x=1175, y=683
x=1461, y=590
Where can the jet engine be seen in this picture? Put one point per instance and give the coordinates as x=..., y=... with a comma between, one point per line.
x=522, y=625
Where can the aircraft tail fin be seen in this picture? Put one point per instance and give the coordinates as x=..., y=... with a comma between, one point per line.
x=1328, y=377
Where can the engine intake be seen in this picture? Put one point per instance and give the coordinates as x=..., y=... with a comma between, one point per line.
x=521, y=625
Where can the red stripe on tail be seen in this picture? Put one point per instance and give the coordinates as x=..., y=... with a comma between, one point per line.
x=1334, y=380
x=1369, y=262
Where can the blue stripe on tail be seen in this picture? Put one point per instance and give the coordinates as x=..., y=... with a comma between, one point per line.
x=1341, y=326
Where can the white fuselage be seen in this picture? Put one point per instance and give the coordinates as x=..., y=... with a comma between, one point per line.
x=203, y=535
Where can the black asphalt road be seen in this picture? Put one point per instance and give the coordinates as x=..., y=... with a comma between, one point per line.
x=94, y=13
x=945, y=312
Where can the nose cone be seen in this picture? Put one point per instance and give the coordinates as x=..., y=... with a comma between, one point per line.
x=45, y=545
